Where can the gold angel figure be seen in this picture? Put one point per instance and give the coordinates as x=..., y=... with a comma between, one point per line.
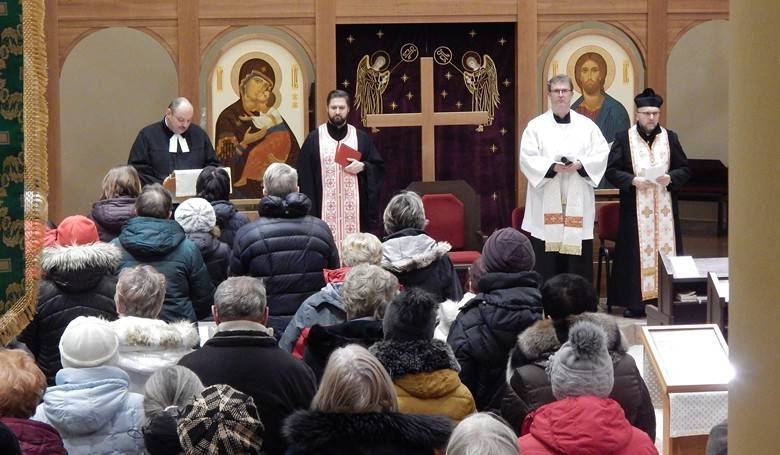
x=371, y=82
x=481, y=79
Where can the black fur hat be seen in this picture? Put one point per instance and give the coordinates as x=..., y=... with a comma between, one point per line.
x=411, y=316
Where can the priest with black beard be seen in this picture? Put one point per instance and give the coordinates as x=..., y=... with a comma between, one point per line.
x=648, y=165
x=347, y=197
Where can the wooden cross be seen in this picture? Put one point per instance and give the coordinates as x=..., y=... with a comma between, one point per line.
x=427, y=119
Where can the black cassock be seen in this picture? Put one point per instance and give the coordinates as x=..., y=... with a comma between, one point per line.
x=369, y=181
x=624, y=286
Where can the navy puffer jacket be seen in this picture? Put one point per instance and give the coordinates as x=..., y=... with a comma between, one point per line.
x=288, y=249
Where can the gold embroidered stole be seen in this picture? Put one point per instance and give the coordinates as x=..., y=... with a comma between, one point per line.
x=655, y=220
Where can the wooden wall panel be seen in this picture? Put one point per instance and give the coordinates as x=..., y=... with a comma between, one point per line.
x=592, y=7
x=246, y=9
x=116, y=9
x=699, y=6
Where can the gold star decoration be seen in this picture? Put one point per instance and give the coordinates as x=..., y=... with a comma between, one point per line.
x=458, y=104
x=409, y=96
x=345, y=83
x=404, y=77
x=393, y=106
x=448, y=75
x=506, y=83
x=493, y=148
x=444, y=93
x=502, y=131
x=380, y=34
x=502, y=41
x=350, y=39
x=472, y=33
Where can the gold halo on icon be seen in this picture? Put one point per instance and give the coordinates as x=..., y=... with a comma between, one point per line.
x=471, y=61
x=381, y=58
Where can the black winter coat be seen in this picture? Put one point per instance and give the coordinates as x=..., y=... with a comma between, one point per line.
x=216, y=255
x=288, y=249
x=323, y=340
x=110, y=215
x=487, y=327
x=229, y=220
x=529, y=387
x=389, y=433
x=251, y=362
x=77, y=281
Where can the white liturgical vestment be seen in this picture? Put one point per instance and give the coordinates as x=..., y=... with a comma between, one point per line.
x=545, y=142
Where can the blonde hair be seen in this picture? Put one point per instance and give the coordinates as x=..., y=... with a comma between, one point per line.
x=366, y=288
x=121, y=181
x=361, y=248
x=355, y=382
x=22, y=384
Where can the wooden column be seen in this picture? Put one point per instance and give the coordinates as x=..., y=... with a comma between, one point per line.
x=51, y=24
x=188, y=52
x=325, y=55
x=525, y=77
x=754, y=218
x=657, y=24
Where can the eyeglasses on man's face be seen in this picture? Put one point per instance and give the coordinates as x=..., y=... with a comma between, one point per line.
x=649, y=113
x=560, y=91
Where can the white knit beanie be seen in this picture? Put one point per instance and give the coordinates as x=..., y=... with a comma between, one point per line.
x=582, y=366
x=196, y=215
x=88, y=342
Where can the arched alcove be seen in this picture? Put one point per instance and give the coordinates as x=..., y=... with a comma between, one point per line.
x=113, y=82
x=698, y=90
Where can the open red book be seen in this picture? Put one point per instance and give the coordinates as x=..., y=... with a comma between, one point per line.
x=343, y=152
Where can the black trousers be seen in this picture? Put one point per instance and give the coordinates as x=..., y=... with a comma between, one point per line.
x=549, y=264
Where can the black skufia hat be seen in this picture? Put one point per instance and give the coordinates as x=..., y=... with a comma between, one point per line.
x=648, y=98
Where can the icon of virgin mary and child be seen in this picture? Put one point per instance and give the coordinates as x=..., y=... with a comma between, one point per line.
x=251, y=133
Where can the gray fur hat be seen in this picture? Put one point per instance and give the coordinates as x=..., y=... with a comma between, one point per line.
x=410, y=316
x=196, y=215
x=582, y=366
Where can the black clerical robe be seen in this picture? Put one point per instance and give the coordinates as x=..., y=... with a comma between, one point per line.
x=369, y=181
x=625, y=287
x=149, y=154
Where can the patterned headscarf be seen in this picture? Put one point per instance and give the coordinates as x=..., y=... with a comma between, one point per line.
x=221, y=421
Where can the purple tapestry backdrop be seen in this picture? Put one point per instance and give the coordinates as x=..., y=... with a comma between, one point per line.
x=479, y=76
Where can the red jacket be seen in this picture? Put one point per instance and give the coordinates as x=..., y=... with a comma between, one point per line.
x=585, y=425
x=35, y=438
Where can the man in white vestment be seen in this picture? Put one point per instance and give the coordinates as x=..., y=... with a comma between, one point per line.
x=563, y=155
x=347, y=198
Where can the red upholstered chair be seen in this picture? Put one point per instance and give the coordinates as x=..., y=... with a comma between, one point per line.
x=607, y=230
x=452, y=209
x=518, y=213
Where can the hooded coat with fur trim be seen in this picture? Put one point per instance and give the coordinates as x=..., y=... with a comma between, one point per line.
x=529, y=386
x=425, y=376
x=487, y=328
x=389, y=433
x=148, y=345
x=77, y=281
x=418, y=261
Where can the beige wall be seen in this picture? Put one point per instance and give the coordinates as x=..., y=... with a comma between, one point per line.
x=754, y=243
x=697, y=100
x=698, y=87
x=114, y=82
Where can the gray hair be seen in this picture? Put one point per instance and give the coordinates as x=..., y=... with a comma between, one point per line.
x=367, y=288
x=482, y=434
x=355, y=381
x=170, y=386
x=154, y=201
x=179, y=102
x=405, y=210
x=558, y=79
x=240, y=297
x=361, y=248
x=280, y=180
x=140, y=290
